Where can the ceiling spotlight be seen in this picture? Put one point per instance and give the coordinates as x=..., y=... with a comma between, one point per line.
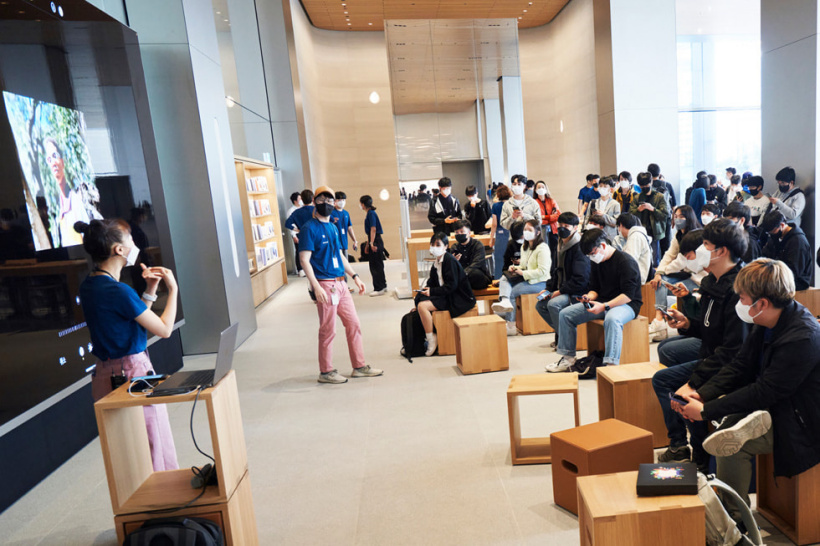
x=219, y=13
x=53, y=7
x=229, y=101
x=60, y=10
x=525, y=11
x=349, y=24
x=370, y=24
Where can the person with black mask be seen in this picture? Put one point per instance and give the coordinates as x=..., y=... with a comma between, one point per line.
x=476, y=210
x=739, y=213
x=788, y=199
x=789, y=244
x=445, y=210
x=668, y=192
x=512, y=256
x=650, y=208
x=471, y=255
x=758, y=202
x=715, y=194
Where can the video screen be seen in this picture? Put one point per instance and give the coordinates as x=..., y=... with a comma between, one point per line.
x=59, y=179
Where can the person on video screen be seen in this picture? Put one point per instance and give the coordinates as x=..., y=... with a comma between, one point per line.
x=75, y=204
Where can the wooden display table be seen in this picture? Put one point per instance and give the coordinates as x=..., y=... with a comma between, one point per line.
x=791, y=504
x=610, y=513
x=635, y=344
x=417, y=244
x=598, y=448
x=625, y=392
x=536, y=450
x=445, y=336
x=134, y=486
x=527, y=319
x=481, y=344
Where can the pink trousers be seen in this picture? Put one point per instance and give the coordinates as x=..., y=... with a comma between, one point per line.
x=327, y=325
x=160, y=439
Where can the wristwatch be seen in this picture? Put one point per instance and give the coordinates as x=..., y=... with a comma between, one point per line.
x=606, y=307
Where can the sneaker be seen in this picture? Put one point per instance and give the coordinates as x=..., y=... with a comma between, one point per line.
x=675, y=454
x=562, y=365
x=502, y=307
x=432, y=345
x=381, y=292
x=659, y=336
x=301, y=273
x=366, y=371
x=512, y=329
x=701, y=460
x=332, y=377
x=731, y=435
x=656, y=326
x=554, y=345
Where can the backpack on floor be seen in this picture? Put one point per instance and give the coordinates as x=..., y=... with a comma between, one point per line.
x=586, y=367
x=180, y=531
x=412, y=336
x=721, y=529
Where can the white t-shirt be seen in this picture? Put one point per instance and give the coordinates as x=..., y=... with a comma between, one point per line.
x=758, y=205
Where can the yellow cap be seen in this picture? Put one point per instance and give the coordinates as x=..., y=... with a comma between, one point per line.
x=324, y=189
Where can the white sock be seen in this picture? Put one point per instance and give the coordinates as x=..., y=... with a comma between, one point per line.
x=430, y=336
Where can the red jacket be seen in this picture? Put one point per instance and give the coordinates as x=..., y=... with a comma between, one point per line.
x=549, y=213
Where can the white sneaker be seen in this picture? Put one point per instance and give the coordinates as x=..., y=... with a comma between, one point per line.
x=656, y=326
x=366, y=371
x=432, y=345
x=502, y=307
x=301, y=273
x=332, y=377
x=659, y=336
x=381, y=292
x=562, y=365
x=727, y=441
x=512, y=329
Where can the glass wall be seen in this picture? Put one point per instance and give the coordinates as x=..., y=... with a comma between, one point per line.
x=718, y=87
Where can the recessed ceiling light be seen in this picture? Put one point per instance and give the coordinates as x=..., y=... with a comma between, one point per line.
x=370, y=24
x=349, y=24
x=219, y=13
x=525, y=11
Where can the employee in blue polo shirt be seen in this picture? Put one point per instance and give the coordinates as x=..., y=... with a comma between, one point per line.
x=341, y=218
x=325, y=265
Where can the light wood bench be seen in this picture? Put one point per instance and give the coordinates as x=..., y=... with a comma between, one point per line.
x=791, y=504
x=481, y=344
x=527, y=319
x=445, y=336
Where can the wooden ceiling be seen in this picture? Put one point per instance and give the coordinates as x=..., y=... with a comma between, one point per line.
x=370, y=14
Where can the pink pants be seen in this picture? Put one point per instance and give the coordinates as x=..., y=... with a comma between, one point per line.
x=327, y=325
x=160, y=439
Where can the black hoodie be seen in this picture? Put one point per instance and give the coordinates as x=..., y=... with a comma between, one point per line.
x=794, y=250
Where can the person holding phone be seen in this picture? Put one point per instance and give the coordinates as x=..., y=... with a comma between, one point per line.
x=718, y=327
x=119, y=321
x=445, y=210
x=520, y=207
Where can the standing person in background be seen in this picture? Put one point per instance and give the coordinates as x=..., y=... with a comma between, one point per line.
x=530, y=191
x=698, y=194
x=758, y=202
x=788, y=199
x=300, y=217
x=325, y=266
x=605, y=206
x=650, y=208
x=499, y=235
x=341, y=218
x=735, y=191
x=476, y=211
x=520, y=206
x=671, y=202
x=633, y=240
x=716, y=195
x=445, y=209
x=296, y=203
x=731, y=172
x=588, y=193
x=423, y=199
x=119, y=321
x=625, y=193
x=549, y=216
x=374, y=245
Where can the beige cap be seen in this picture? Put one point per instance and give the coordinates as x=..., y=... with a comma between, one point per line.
x=324, y=189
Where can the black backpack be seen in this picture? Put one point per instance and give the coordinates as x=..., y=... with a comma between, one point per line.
x=412, y=336
x=586, y=367
x=180, y=531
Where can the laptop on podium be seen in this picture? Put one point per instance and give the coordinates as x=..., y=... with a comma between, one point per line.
x=187, y=381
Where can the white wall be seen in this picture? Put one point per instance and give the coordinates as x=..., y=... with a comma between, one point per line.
x=558, y=85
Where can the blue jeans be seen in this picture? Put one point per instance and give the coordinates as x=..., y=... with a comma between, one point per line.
x=506, y=290
x=550, y=310
x=614, y=319
x=678, y=350
x=655, y=245
x=502, y=237
x=662, y=293
x=670, y=380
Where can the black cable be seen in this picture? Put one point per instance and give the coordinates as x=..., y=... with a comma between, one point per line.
x=193, y=436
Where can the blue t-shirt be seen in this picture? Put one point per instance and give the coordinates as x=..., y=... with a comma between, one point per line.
x=110, y=308
x=497, y=213
x=322, y=239
x=341, y=219
x=587, y=194
x=300, y=217
x=372, y=219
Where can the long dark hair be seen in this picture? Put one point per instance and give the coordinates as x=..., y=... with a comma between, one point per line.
x=367, y=201
x=100, y=235
x=539, y=237
x=692, y=221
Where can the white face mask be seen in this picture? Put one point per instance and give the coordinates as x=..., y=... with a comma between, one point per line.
x=529, y=235
x=625, y=184
x=131, y=259
x=341, y=204
x=743, y=311
x=518, y=189
x=445, y=192
x=299, y=203
x=541, y=191
x=604, y=192
x=597, y=257
x=437, y=251
x=705, y=219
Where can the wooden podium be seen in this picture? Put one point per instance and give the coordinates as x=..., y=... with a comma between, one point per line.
x=136, y=489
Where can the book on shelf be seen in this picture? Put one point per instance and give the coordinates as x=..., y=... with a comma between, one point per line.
x=262, y=231
x=267, y=254
x=259, y=207
x=256, y=184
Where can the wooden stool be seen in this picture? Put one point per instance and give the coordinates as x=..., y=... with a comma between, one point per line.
x=527, y=319
x=536, y=450
x=481, y=344
x=488, y=296
x=610, y=513
x=635, y=344
x=810, y=299
x=600, y=448
x=791, y=504
x=581, y=343
x=625, y=392
x=443, y=325
x=648, y=306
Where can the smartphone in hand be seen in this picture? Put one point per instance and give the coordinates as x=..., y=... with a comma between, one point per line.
x=678, y=398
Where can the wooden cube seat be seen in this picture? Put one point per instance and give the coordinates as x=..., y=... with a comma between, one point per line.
x=598, y=448
x=527, y=319
x=481, y=344
x=810, y=299
x=648, y=305
x=791, y=504
x=443, y=325
x=625, y=393
x=488, y=296
x=635, y=344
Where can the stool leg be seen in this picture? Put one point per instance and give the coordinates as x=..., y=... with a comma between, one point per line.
x=577, y=412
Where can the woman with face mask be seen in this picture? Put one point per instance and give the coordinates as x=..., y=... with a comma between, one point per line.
x=605, y=207
x=119, y=321
x=520, y=206
x=529, y=277
x=549, y=216
x=446, y=289
x=499, y=236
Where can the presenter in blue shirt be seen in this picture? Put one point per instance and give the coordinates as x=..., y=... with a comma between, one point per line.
x=325, y=264
x=119, y=321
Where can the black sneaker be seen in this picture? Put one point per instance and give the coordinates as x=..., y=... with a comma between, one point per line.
x=675, y=454
x=701, y=459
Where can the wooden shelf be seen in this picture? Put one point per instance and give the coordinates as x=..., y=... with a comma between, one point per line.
x=261, y=216
x=260, y=241
x=270, y=264
x=260, y=193
x=167, y=490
